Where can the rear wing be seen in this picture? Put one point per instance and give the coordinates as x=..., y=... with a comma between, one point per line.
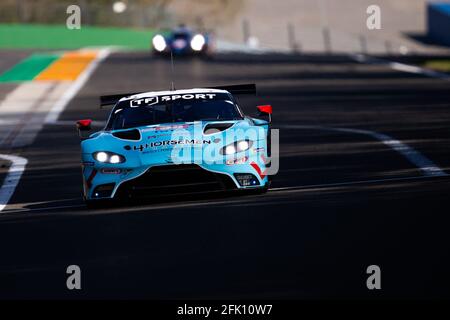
x=249, y=88
x=114, y=98
x=233, y=89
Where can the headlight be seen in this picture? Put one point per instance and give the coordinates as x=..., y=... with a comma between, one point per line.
x=101, y=156
x=159, y=43
x=230, y=149
x=114, y=159
x=242, y=145
x=108, y=157
x=197, y=42
x=236, y=147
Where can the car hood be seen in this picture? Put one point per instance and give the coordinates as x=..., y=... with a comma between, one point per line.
x=174, y=142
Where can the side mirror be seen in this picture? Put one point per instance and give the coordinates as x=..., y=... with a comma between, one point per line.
x=265, y=110
x=83, y=125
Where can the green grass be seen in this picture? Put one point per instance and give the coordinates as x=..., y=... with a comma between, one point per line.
x=34, y=36
x=438, y=65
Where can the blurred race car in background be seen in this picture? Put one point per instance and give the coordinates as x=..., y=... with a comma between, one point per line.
x=181, y=41
x=181, y=141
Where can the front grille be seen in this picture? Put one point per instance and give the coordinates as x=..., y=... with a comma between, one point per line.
x=175, y=179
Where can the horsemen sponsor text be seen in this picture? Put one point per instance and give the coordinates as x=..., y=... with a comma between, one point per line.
x=171, y=143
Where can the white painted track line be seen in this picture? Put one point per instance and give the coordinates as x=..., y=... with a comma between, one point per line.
x=17, y=107
x=427, y=167
x=12, y=178
x=403, y=67
x=418, y=70
x=352, y=183
x=61, y=104
x=34, y=101
x=24, y=112
x=34, y=122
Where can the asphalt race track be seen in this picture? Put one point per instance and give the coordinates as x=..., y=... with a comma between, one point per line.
x=343, y=200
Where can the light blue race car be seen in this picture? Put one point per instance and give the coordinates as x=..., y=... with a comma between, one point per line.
x=172, y=142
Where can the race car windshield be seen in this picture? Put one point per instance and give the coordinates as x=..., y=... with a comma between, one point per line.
x=208, y=107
